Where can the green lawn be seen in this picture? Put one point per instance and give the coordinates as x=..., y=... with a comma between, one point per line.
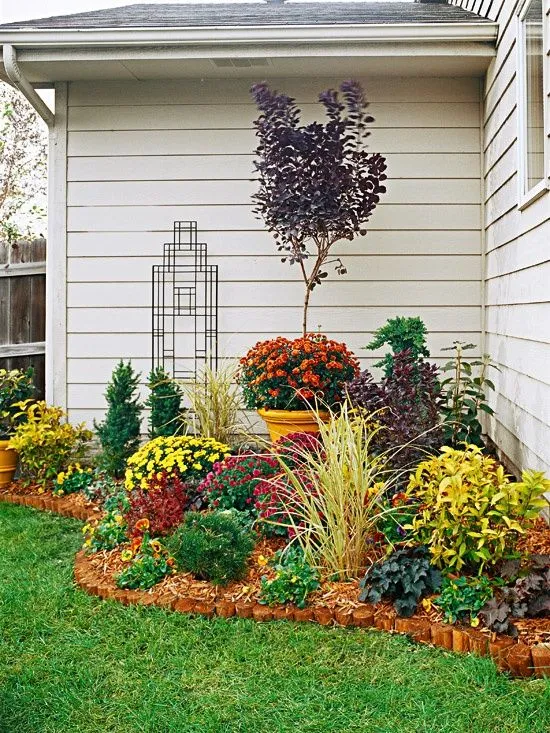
x=69, y=662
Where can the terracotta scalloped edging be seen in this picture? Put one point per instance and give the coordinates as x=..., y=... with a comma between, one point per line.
x=48, y=502
x=520, y=660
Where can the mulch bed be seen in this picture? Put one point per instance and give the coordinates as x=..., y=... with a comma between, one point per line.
x=333, y=604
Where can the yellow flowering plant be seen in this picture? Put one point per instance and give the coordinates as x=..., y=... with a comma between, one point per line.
x=189, y=456
x=46, y=443
x=75, y=478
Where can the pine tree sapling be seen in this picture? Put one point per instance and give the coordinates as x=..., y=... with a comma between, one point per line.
x=119, y=432
x=317, y=183
x=164, y=403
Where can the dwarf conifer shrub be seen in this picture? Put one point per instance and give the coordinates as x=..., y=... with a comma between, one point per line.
x=119, y=432
x=402, y=334
x=164, y=402
x=212, y=547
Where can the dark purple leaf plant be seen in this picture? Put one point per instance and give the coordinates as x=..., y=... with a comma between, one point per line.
x=317, y=183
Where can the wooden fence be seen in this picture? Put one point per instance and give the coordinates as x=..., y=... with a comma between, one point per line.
x=23, y=307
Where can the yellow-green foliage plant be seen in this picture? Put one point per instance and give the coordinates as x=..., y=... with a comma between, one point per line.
x=215, y=403
x=190, y=457
x=46, y=442
x=333, y=494
x=470, y=514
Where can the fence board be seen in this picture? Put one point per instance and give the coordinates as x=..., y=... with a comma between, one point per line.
x=23, y=307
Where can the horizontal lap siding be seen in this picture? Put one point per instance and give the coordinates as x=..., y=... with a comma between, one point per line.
x=144, y=154
x=517, y=311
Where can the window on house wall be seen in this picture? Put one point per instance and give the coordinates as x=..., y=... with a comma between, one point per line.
x=533, y=171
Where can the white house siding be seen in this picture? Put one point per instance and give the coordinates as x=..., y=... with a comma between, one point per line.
x=141, y=155
x=517, y=279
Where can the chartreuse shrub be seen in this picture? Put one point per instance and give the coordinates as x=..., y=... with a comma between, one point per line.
x=405, y=577
x=164, y=402
x=462, y=598
x=212, y=547
x=119, y=432
x=148, y=561
x=46, y=443
x=294, y=579
x=16, y=386
x=470, y=514
x=331, y=494
x=190, y=457
x=75, y=478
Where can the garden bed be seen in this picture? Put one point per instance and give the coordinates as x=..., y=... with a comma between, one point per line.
x=334, y=603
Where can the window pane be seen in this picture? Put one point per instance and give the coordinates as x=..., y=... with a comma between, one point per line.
x=534, y=94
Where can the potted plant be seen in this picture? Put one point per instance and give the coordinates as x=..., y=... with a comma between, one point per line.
x=16, y=386
x=318, y=184
x=285, y=380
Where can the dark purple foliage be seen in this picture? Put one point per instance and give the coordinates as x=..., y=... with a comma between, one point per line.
x=406, y=405
x=317, y=183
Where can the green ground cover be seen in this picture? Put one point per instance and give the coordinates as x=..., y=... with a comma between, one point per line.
x=72, y=663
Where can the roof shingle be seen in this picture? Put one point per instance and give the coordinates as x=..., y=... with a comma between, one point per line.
x=149, y=15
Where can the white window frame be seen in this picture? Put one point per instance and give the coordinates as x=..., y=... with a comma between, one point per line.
x=525, y=196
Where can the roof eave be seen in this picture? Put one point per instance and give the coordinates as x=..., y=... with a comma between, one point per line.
x=482, y=32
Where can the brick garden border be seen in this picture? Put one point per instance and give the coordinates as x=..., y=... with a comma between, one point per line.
x=63, y=505
x=517, y=658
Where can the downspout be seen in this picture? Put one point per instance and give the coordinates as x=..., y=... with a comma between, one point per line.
x=15, y=75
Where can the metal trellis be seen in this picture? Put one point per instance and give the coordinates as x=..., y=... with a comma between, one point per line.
x=185, y=305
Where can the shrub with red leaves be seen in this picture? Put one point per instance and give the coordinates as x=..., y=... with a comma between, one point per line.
x=163, y=504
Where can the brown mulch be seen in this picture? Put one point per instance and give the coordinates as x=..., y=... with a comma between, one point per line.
x=537, y=540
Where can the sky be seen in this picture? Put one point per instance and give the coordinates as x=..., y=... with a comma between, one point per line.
x=11, y=10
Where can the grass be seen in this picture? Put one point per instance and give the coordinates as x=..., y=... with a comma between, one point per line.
x=72, y=663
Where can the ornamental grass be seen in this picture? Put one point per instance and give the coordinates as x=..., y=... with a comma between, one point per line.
x=333, y=494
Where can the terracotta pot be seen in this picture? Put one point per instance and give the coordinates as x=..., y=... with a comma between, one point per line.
x=282, y=422
x=8, y=463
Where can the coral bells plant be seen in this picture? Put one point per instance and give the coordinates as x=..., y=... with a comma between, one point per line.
x=317, y=183
x=190, y=457
x=163, y=504
x=231, y=483
x=283, y=374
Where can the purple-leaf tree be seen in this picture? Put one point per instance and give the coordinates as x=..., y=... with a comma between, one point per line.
x=317, y=183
